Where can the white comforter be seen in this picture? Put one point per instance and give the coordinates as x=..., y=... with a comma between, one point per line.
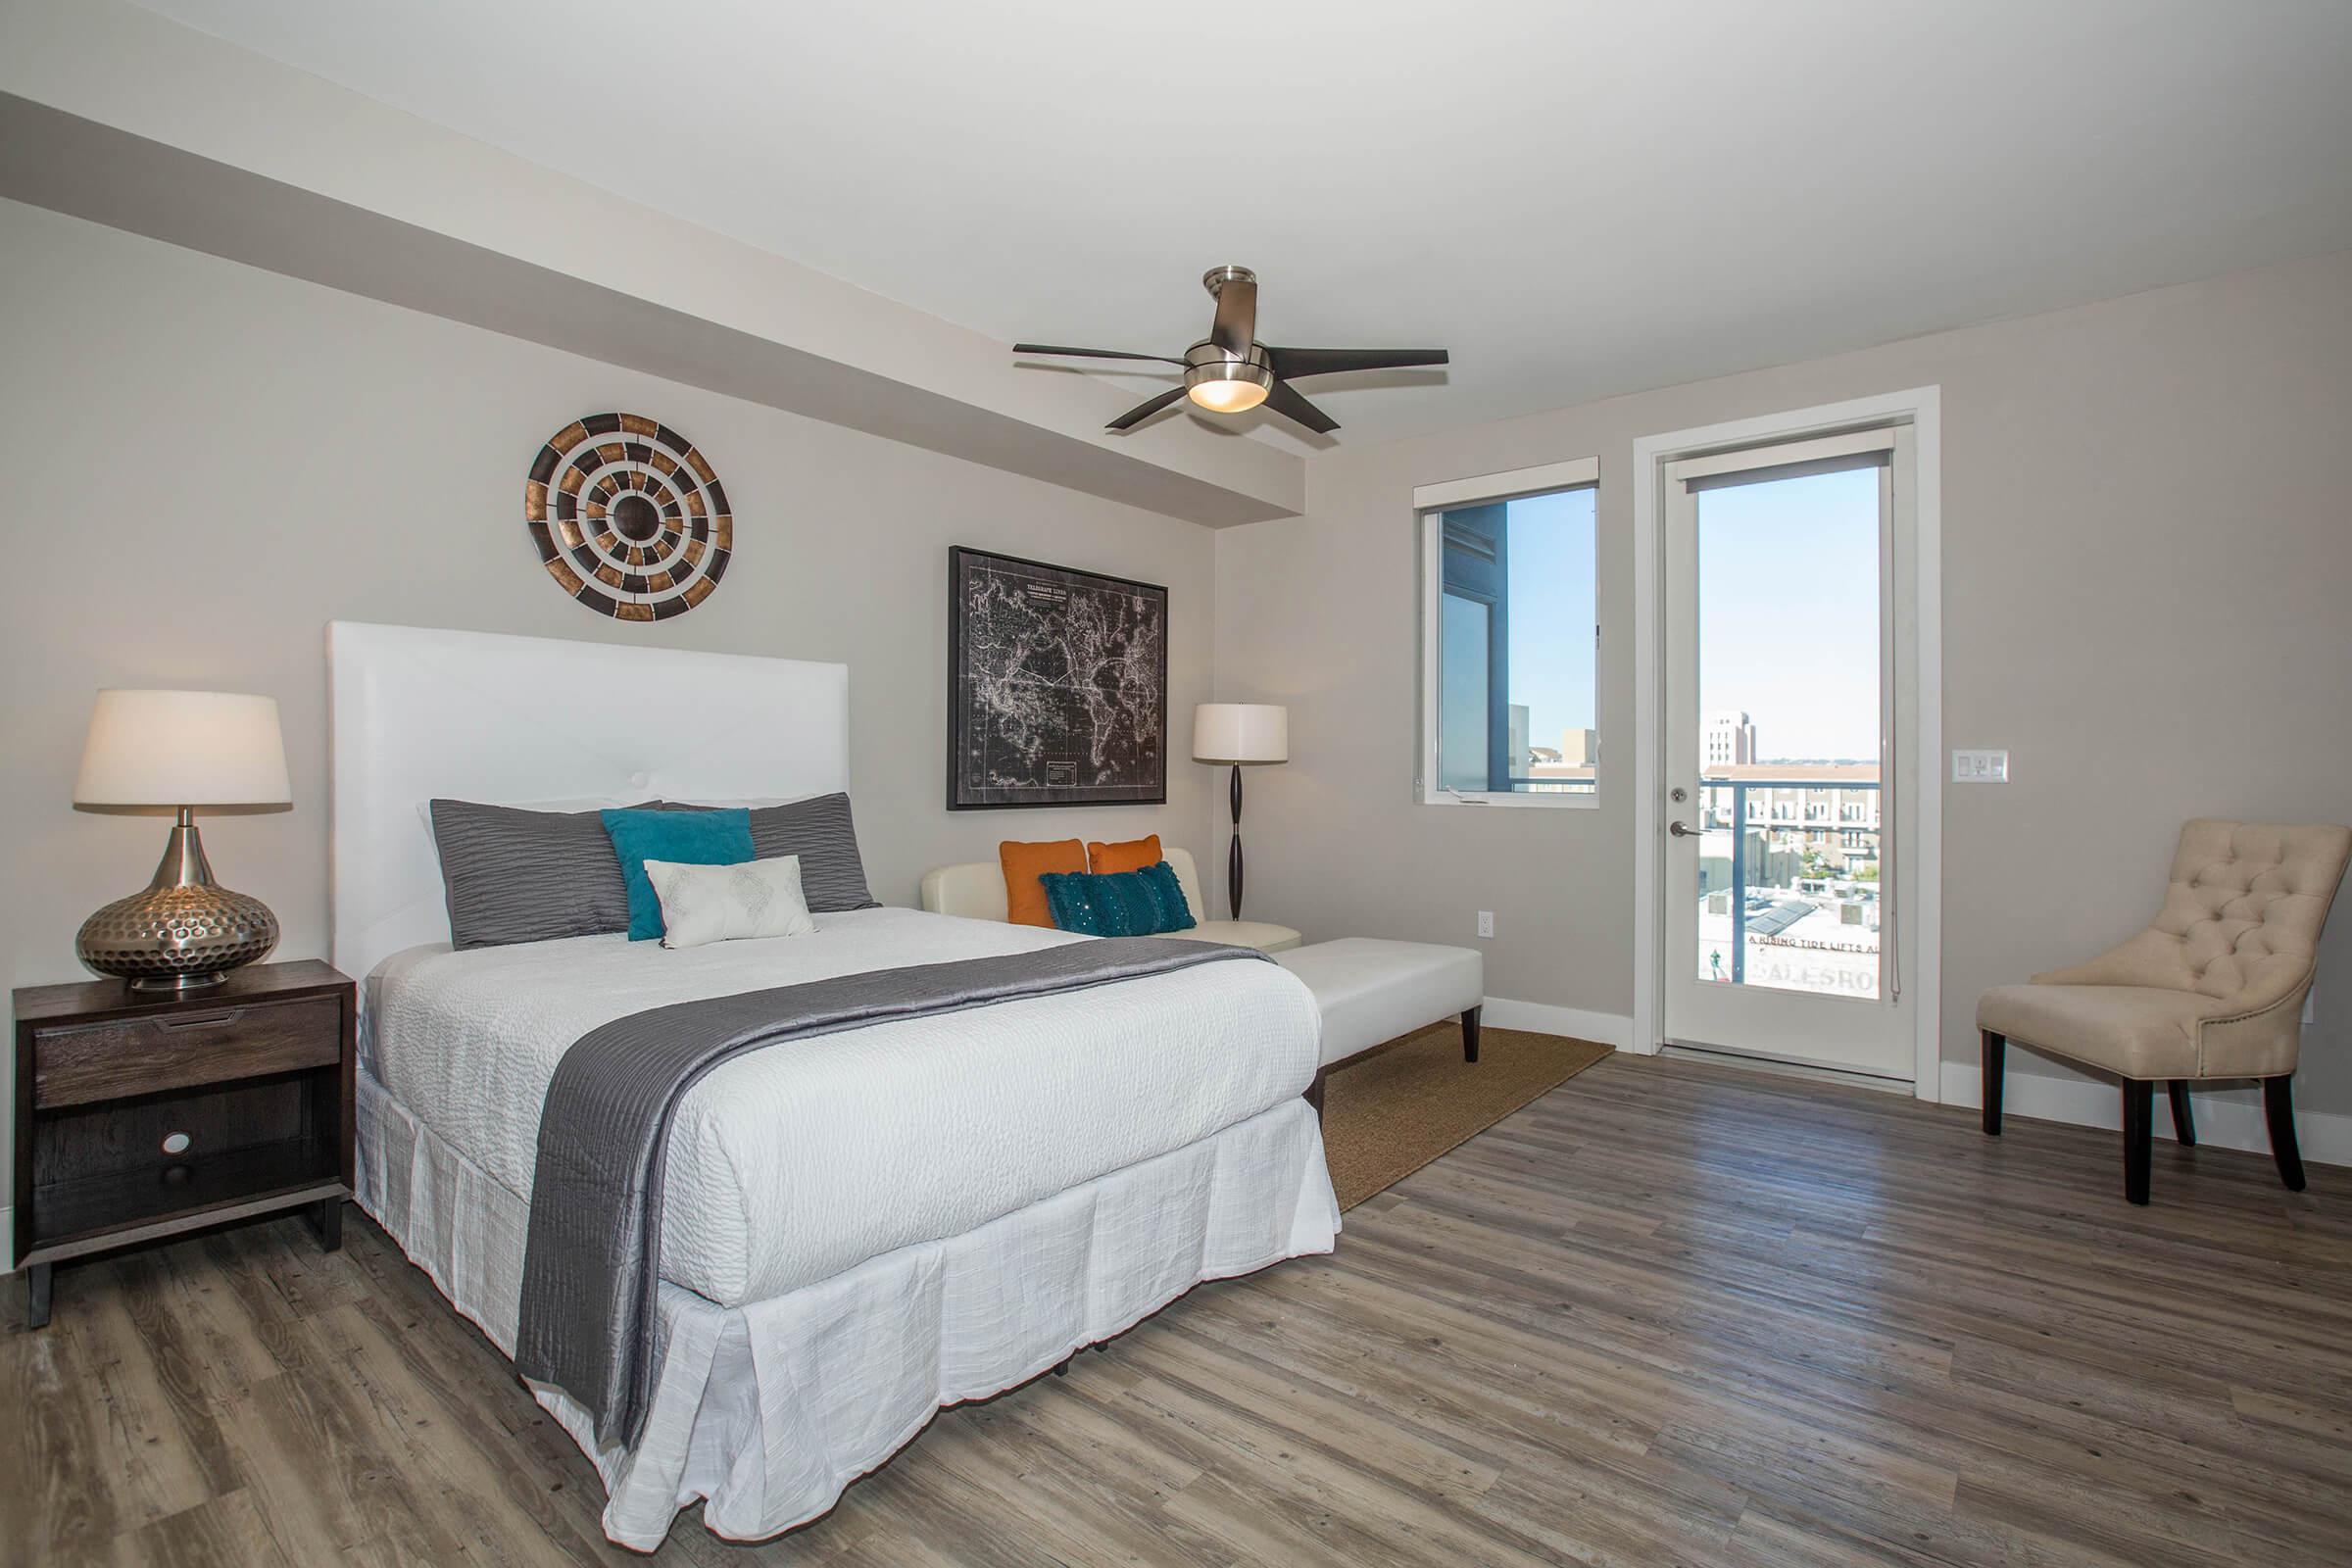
x=790, y=1164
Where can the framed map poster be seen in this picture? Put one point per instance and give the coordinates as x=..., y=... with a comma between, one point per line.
x=1058, y=686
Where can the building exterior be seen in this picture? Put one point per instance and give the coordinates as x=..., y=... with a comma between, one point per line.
x=1729, y=740
x=1815, y=820
x=1824, y=814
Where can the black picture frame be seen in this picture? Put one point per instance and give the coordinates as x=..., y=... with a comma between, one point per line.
x=977, y=777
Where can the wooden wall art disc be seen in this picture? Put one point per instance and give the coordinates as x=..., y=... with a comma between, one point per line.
x=629, y=517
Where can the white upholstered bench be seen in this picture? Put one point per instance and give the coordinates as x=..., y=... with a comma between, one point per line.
x=1370, y=990
x=975, y=890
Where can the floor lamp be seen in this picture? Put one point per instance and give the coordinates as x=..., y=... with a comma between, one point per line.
x=1239, y=733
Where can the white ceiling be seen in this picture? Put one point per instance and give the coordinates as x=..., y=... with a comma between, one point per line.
x=1577, y=199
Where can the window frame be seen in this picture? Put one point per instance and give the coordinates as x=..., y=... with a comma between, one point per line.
x=1430, y=502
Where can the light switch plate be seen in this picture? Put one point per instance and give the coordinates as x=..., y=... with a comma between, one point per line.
x=1981, y=767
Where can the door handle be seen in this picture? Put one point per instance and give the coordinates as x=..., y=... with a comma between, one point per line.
x=1680, y=830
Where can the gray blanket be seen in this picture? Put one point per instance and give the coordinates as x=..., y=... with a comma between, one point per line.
x=591, y=1262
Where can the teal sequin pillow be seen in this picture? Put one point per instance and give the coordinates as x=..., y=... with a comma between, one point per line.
x=1122, y=903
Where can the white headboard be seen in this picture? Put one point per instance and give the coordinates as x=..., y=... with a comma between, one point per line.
x=470, y=716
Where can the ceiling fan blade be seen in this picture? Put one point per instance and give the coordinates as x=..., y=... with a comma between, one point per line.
x=1292, y=363
x=1145, y=409
x=1236, y=327
x=1284, y=399
x=1091, y=354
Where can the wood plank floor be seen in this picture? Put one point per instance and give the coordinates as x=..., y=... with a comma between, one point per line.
x=1671, y=1314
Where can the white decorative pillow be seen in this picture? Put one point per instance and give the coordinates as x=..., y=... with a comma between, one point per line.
x=704, y=904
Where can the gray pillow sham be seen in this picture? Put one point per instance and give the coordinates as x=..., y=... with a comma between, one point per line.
x=821, y=832
x=512, y=875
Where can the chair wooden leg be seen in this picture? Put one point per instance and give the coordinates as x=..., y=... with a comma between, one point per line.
x=2140, y=1113
x=1996, y=1058
x=2185, y=1121
x=1470, y=1035
x=2279, y=1108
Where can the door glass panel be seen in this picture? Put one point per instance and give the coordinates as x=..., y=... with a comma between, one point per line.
x=1788, y=894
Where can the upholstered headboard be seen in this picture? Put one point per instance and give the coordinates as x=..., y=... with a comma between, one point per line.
x=975, y=889
x=418, y=713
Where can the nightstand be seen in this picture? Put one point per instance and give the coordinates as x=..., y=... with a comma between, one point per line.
x=140, y=1117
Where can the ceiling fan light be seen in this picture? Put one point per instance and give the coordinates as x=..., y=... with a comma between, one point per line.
x=1227, y=397
x=1228, y=386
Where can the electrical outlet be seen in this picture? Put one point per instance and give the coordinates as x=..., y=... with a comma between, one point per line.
x=1486, y=922
x=1981, y=767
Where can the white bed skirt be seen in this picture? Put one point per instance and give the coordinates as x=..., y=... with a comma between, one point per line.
x=769, y=1410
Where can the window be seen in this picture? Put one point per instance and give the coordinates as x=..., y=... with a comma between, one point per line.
x=1510, y=637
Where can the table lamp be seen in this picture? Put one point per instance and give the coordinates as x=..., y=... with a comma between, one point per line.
x=1240, y=733
x=180, y=749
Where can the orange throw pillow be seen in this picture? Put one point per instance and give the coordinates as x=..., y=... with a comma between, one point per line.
x=1105, y=859
x=1024, y=863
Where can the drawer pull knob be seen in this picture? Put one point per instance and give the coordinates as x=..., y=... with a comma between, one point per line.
x=176, y=1143
x=206, y=1023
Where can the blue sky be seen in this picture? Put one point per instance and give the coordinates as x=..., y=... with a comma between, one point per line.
x=1788, y=611
x=1551, y=612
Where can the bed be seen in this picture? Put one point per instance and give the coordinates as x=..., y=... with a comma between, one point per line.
x=857, y=1229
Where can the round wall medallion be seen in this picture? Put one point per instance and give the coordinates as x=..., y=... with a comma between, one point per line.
x=629, y=517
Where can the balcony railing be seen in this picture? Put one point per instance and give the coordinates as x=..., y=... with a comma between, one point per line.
x=1742, y=823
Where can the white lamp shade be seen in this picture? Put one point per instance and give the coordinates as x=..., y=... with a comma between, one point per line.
x=148, y=748
x=1241, y=732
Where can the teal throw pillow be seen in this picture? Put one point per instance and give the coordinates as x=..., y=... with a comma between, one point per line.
x=685, y=838
x=1123, y=903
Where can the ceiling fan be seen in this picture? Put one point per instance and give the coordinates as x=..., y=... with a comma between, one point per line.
x=1230, y=371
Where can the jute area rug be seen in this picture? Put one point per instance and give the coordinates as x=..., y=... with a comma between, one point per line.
x=1393, y=1110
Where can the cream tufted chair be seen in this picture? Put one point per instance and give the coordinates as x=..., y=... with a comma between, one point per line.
x=2214, y=989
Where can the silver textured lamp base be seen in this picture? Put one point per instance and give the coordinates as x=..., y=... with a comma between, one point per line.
x=183, y=931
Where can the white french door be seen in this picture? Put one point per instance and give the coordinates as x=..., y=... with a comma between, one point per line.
x=1788, y=781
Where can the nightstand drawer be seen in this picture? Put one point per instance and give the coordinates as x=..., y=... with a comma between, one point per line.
x=76, y=1064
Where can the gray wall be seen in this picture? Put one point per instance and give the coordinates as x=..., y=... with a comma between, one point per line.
x=206, y=463
x=2148, y=555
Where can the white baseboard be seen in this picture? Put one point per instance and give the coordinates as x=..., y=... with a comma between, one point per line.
x=2231, y=1118
x=1613, y=1029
